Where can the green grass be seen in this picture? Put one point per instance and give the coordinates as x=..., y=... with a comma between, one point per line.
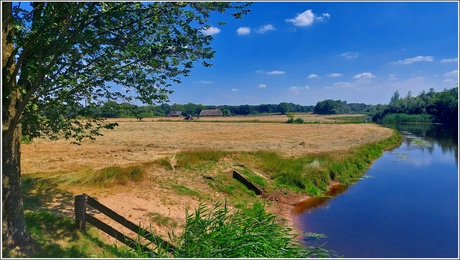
x=162, y=220
x=310, y=174
x=199, y=159
x=407, y=118
x=349, y=119
x=101, y=178
x=56, y=237
x=254, y=178
x=216, y=232
x=182, y=190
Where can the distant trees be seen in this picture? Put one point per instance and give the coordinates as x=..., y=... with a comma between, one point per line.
x=329, y=107
x=112, y=109
x=438, y=107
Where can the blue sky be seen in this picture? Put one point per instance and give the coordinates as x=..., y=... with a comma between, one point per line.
x=305, y=52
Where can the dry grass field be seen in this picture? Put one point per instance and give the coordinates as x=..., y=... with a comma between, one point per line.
x=135, y=142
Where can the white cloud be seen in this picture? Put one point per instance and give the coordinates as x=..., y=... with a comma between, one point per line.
x=265, y=28
x=452, y=73
x=449, y=60
x=296, y=89
x=275, y=72
x=323, y=17
x=335, y=75
x=304, y=19
x=367, y=75
x=243, y=31
x=211, y=31
x=312, y=76
x=234, y=89
x=260, y=71
x=262, y=86
x=350, y=55
x=307, y=18
x=415, y=59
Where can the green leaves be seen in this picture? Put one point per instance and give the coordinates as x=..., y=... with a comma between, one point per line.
x=217, y=232
x=68, y=51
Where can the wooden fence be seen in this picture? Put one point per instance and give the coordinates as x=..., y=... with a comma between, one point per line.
x=81, y=217
x=246, y=182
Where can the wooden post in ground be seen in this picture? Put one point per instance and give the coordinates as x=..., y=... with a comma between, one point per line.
x=80, y=211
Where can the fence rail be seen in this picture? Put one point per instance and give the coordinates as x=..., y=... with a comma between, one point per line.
x=238, y=176
x=81, y=217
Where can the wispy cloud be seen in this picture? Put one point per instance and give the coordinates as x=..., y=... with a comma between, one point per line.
x=296, y=88
x=206, y=81
x=365, y=75
x=211, y=31
x=335, y=75
x=414, y=59
x=449, y=60
x=312, y=76
x=275, y=72
x=243, y=31
x=343, y=84
x=265, y=28
x=350, y=55
x=452, y=73
x=323, y=17
x=307, y=18
x=235, y=89
x=392, y=77
x=262, y=86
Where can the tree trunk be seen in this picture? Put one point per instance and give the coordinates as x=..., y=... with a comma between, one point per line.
x=13, y=222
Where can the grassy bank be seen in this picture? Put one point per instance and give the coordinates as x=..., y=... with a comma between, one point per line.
x=400, y=118
x=47, y=195
x=310, y=174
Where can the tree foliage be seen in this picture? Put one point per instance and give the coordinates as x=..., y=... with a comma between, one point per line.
x=441, y=106
x=68, y=56
x=112, y=109
x=61, y=60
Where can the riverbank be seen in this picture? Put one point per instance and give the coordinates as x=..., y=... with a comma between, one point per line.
x=179, y=170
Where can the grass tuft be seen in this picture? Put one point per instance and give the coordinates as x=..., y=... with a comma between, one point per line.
x=217, y=232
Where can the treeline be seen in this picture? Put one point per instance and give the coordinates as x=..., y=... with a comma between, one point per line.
x=331, y=107
x=431, y=106
x=112, y=109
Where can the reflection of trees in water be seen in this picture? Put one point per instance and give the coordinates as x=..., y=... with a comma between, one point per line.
x=319, y=202
x=445, y=136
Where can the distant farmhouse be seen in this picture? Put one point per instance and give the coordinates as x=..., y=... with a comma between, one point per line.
x=211, y=112
x=175, y=113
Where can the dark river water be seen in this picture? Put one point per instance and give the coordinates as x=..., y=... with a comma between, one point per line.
x=405, y=206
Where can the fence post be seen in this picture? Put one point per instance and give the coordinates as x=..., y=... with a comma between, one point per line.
x=80, y=211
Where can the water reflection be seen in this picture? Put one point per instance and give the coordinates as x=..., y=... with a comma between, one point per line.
x=311, y=204
x=408, y=209
x=444, y=136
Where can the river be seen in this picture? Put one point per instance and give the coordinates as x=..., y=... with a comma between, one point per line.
x=405, y=206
